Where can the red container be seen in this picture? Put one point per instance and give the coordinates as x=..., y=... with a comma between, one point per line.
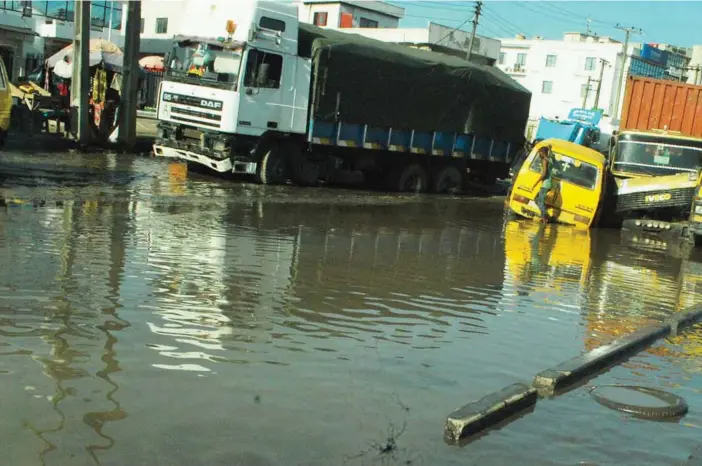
x=660, y=104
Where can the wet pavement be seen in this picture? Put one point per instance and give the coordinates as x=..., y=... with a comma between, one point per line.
x=153, y=315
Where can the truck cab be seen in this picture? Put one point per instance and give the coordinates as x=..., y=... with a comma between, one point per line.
x=233, y=76
x=656, y=174
x=580, y=128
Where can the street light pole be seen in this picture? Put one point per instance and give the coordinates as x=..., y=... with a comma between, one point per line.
x=603, y=62
x=620, y=80
x=109, y=30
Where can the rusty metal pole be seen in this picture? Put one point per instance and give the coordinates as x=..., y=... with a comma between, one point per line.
x=130, y=77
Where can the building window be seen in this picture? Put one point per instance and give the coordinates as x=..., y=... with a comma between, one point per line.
x=255, y=65
x=502, y=58
x=550, y=61
x=590, y=64
x=521, y=59
x=546, y=87
x=141, y=26
x=367, y=23
x=320, y=19
x=161, y=25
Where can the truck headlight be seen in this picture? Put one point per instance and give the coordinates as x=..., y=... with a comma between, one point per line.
x=698, y=209
x=692, y=176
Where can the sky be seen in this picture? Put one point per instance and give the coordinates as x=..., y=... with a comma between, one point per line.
x=666, y=22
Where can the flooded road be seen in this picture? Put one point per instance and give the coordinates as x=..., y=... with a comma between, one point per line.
x=151, y=315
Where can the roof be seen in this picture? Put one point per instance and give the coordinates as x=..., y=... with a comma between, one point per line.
x=576, y=150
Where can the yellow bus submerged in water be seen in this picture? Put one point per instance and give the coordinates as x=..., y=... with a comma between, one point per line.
x=5, y=103
x=578, y=189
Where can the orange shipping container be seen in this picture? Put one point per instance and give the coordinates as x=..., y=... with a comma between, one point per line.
x=659, y=104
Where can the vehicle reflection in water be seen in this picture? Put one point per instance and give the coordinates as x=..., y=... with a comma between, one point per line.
x=176, y=304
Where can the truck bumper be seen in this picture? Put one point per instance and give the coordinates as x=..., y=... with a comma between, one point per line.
x=655, y=229
x=221, y=166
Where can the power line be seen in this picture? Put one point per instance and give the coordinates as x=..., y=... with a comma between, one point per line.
x=516, y=29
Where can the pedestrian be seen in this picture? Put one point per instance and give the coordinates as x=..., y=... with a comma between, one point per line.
x=546, y=180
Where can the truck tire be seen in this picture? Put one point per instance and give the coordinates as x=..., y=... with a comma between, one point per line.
x=303, y=170
x=273, y=165
x=408, y=178
x=447, y=180
x=666, y=405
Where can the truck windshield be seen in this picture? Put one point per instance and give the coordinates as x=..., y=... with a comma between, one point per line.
x=570, y=170
x=199, y=61
x=663, y=156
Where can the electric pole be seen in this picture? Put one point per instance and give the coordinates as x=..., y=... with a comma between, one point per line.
x=625, y=51
x=603, y=63
x=587, y=91
x=478, y=7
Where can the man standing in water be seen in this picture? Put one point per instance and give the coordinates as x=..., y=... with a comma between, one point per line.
x=546, y=179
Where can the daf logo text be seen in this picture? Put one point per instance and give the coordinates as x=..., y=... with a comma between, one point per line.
x=211, y=104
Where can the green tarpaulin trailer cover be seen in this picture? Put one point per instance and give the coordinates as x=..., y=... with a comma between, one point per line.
x=392, y=85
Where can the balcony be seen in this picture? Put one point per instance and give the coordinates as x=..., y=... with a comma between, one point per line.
x=517, y=68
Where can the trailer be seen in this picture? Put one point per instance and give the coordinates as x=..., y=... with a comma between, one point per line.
x=252, y=90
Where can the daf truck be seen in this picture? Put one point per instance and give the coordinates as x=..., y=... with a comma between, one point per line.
x=249, y=89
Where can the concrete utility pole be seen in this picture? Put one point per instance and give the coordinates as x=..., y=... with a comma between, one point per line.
x=130, y=77
x=603, y=63
x=109, y=24
x=620, y=82
x=478, y=7
x=587, y=91
x=697, y=73
x=80, y=81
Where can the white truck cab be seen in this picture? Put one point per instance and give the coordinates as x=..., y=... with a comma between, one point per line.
x=234, y=74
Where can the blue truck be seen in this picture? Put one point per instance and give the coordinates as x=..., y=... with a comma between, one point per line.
x=580, y=127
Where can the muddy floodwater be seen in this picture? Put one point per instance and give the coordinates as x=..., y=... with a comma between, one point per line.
x=150, y=315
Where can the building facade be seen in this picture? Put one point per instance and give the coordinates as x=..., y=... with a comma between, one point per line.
x=350, y=14
x=566, y=74
x=562, y=74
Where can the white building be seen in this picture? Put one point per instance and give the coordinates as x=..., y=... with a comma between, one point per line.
x=563, y=74
x=694, y=76
x=350, y=14
x=32, y=31
x=438, y=38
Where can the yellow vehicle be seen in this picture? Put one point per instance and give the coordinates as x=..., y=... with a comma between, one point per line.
x=656, y=173
x=579, y=177
x=561, y=255
x=5, y=104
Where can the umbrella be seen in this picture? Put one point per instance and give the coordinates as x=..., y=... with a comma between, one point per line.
x=64, y=69
x=152, y=62
x=100, y=51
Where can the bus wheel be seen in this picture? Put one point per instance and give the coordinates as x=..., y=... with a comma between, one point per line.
x=447, y=180
x=273, y=165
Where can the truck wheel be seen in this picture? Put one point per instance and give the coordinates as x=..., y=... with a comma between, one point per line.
x=304, y=171
x=273, y=165
x=409, y=178
x=447, y=180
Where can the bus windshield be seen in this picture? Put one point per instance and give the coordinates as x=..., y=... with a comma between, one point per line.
x=571, y=170
x=201, y=61
x=657, y=157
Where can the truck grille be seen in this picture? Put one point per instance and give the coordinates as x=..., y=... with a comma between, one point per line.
x=655, y=199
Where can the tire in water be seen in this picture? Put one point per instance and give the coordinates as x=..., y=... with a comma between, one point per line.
x=410, y=178
x=273, y=165
x=303, y=171
x=447, y=180
x=639, y=401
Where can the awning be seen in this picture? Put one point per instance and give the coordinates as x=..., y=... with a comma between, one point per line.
x=18, y=30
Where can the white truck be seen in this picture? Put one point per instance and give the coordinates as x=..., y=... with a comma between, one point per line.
x=249, y=89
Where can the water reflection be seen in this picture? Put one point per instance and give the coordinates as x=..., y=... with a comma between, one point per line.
x=122, y=302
